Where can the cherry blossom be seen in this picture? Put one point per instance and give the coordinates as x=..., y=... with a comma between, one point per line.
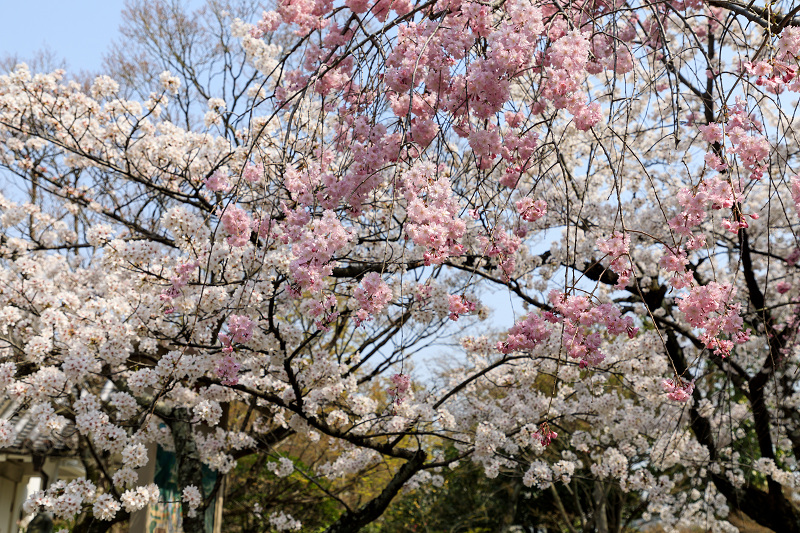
x=590, y=210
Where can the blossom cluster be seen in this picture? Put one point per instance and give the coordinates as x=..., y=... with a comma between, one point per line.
x=577, y=317
x=376, y=186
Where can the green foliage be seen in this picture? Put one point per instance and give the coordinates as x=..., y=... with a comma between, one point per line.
x=254, y=492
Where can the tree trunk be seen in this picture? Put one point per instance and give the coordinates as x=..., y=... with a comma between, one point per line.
x=512, y=490
x=600, y=518
x=93, y=525
x=190, y=469
x=352, y=521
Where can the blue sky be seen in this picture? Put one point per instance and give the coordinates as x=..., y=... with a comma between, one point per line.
x=79, y=31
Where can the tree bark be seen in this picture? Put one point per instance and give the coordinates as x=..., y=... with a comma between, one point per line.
x=769, y=509
x=93, y=525
x=600, y=518
x=352, y=521
x=190, y=469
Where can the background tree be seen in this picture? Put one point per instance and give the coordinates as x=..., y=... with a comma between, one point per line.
x=194, y=43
